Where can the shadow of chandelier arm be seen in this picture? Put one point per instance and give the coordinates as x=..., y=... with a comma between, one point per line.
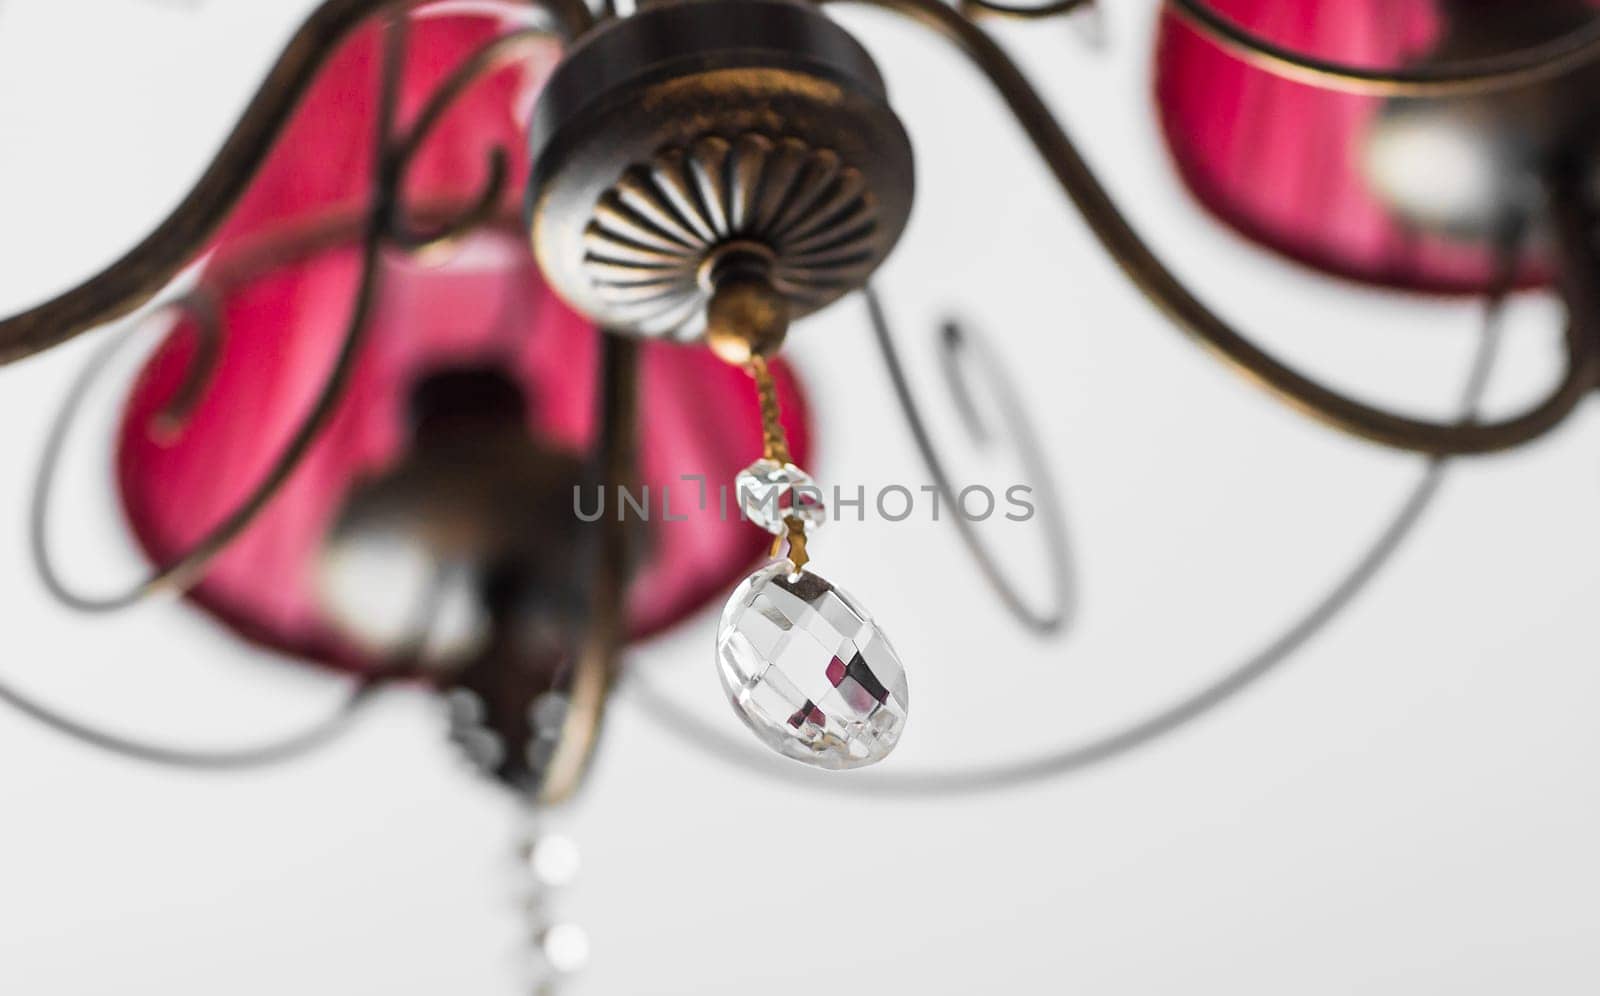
x=131, y=281
x=964, y=357
x=1167, y=292
x=1152, y=727
x=1525, y=66
x=385, y=218
x=407, y=662
x=320, y=733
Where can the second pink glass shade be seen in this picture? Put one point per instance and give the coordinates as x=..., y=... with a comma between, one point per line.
x=1280, y=160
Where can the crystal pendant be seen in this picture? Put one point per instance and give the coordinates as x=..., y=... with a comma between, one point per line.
x=770, y=492
x=809, y=671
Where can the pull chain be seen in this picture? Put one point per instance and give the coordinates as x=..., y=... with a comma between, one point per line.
x=774, y=441
x=775, y=447
x=548, y=862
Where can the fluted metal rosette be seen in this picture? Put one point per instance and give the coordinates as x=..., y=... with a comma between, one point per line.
x=743, y=144
x=658, y=235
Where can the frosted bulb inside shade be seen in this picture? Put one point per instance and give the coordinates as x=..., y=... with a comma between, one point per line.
x=1446, y=170
x=384, y=591
x=566, y=947
x=553, y=859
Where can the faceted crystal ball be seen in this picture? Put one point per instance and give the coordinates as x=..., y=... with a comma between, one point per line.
x=809, y=671
x=770, y=492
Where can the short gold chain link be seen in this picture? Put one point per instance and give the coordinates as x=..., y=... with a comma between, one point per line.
x=775, y=447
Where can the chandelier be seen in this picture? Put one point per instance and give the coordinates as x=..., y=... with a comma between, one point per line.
x=472, y=289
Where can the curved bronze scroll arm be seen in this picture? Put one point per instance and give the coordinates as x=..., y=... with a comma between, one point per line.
x=613, y=462
x=1169, y=294
x=482, y=208
x=1502, y=72
x=187, y=569
x=134, y=279
x=1019, y=12
x=382, y=219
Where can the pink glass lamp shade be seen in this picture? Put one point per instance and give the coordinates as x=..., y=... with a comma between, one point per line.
x=698, y=416
x=478, y=303
x=1283, y=161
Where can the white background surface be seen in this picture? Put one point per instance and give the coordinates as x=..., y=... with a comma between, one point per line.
x=1409, y=808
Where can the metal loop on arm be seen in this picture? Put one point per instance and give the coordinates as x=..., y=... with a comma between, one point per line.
x=1062, y=596
x=1169, y=294
x=493, y=55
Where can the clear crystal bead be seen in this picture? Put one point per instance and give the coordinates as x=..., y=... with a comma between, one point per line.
x=809, y=671
x=565, y=947
x=552, y=859
x=770, y=492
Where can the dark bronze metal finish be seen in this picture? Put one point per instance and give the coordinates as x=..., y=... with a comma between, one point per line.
x=681, y=71
x=138, y=276
x=599, y=659
x=658, y=240
x=487, y=508
x=478, y=498
x=386, y=219
x=1147, y=271
x=518, y=569
x=746, y=147
x=696, y=131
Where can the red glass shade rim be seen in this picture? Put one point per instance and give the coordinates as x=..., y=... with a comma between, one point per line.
x=1239, y=136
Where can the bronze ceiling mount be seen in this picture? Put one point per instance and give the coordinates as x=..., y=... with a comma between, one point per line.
x=746, y=146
